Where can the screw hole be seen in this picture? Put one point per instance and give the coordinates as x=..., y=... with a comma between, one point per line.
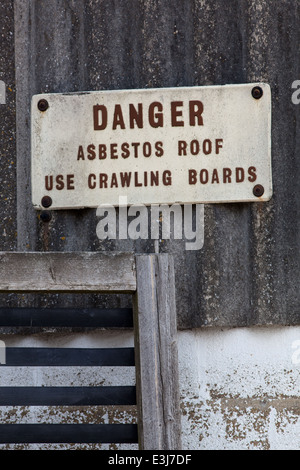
x=46, y=201
x=43, y=105
x=258, y=190
x=257, y=92
x=45, y=216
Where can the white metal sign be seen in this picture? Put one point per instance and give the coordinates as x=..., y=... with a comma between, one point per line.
x=171, y=145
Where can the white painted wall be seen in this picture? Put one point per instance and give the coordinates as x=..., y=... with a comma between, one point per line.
x=240, y=388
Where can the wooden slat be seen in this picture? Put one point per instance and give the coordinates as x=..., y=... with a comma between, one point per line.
x=69, y=357
x=67, y=396
x=156, y=354
x=68, y=317
x=67, y=272
x=68, y=433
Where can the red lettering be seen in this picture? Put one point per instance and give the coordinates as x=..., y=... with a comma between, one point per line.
x=207, y=146
x=192, y=177
x=156, y=118
x=102, y=151
x=154, y=181
x=125, y=150
x=215, y=176
x=175, y=114
x=219, y=145
x=92, y=181
x=80, y=155
x=113, y=151
x=118, y=117
x=195, y=147
x=136, y=116
x=99, y=126
x=59, y=182
x=166, y=178
x=252, y=174
x=147, y=149
x=239, y=175
x=114, y=181
x=49, y=183
x=91, y=152
x=203, y=176
x=196, y=110
x=103, y=180
x=125, y=179
x=182, y=145
x=136, y=179
x=135, y=145
x=227, y=175
x=159, y=149
x=70, y=182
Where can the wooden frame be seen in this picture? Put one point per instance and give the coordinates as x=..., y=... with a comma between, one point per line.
x=67, y=272
x=156, y=353
x=150, y=279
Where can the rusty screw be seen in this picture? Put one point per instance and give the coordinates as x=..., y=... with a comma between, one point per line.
x=258, y=190
x=46, y=201
x=257, y=92
x=45, y=216
x=43, y=105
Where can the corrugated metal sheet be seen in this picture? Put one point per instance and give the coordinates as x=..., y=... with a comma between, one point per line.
x=247, y=273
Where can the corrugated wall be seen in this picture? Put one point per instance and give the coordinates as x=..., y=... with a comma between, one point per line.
x=247, y=272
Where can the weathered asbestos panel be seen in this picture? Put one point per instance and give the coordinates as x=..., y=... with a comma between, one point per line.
x=8, y=225
x=248, y=270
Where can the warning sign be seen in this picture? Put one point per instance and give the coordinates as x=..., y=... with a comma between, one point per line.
x=170, y=145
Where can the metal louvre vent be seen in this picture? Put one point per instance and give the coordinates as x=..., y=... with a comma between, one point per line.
x=70, y=395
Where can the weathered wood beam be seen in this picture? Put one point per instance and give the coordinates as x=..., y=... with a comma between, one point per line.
x=67, y=272
x=156, y=354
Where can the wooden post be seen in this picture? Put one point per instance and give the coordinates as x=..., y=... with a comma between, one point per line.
x=156, y=354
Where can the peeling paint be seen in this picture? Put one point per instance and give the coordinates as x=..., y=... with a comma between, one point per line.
x=241, y=391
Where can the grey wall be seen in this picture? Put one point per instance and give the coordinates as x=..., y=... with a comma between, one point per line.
x=247, y=273
x=8, y=217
